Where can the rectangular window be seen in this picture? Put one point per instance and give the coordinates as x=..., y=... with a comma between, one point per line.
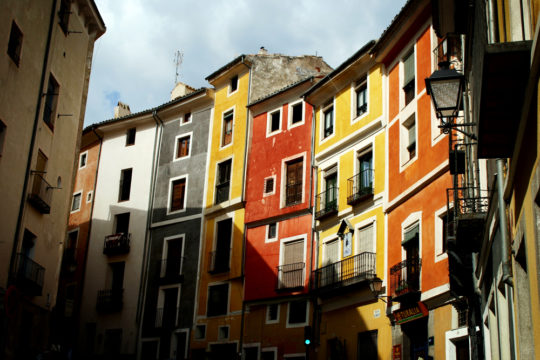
x=268, y=185
x=268, y=354
x=298, y=313
x=130, y=136
x=274, y=121
x=410, y=126
x=186, y=118
x=122, y=223
x=361, y=97
x=233, y=86
x=408, y=77
x=272, y=231
x=447, y=228
x=15, y=43
x=291, y=269
x=227, y=128
x=328, y=128
x=297, y=113
x=182, y=146
x=294, y=184
x=63, y=14
x=76, y=202
x=220, y=257
x=178, y=194
x=251, y=353
x=272, y=313
x=223, y=332
x=171, y=264
x=223, y=181
x=125, y=185
x=200, y=332
x=365, y=239
x=367, y=345
x=330, y=197
x=89, y=196
x=218, y=300
x=51, y=100
x=82, y=159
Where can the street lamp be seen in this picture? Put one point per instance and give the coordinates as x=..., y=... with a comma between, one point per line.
x=375, y=285
x=445, y=86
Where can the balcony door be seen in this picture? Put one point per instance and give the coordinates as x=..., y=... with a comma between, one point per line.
x=173, y=259
x=365, y=164
x=122, y=223
x=411, y=245
x=117, y=270
x=331, y=264
x=223, y=245
x=330, y=201
x=170, y=303
x=292, y=274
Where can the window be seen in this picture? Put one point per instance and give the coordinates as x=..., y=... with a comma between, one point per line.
x=178, y=194
x=130, y=136
x=187, y=118
x=171, y=264
x=89, y=196
x=409, y=137
x=15, y=43
x=76, y=202
x=200, y=332
x=82, y=159
x=330, y=196
x=51, y=99
x=296, y=113
x=271, y=232
x=2, y=136
x=274, y=122
x=220, y=257
x=365, y=173
x=367, y=345
x=408, y=77
x=365, y=240
x=297, y=313
x=183, y=145
x=269, y=354
x=63, y=14
x=125, y=185
x=223, y=181
x=269, y=185
x=272, y=314
x=251, y=353
x=122, y=223
x=223, y=332
x=444, y=227
x=294, y=184
x=291, y=269
x=227, y=128
x=233, y=85
x=328, y=117
x=218, y=300
x=361, y=99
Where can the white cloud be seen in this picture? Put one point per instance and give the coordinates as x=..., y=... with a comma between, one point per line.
x=133, y=60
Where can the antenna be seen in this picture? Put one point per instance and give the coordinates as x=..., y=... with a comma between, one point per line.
x=178, y=58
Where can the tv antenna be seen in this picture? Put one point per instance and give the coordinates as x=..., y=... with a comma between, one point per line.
x=178, y=58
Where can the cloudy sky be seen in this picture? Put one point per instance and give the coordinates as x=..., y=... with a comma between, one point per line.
x=134, y=60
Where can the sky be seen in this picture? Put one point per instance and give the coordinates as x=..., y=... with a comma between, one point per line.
x=134, y=61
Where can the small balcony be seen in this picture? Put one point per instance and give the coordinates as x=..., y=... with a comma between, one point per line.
x=169, y=272
x=109, y=300
x=290, y=276
x=28, y=275
x=360, y=187
x=222, y=192
x=40, y=193
x=346, y=272
x=326, y=203
x=116, y=244
x=405, y=279
x=166, y=318
x=219, y=261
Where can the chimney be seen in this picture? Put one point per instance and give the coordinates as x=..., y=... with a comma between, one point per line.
x=121, y=110
x=181, y=89
x=263, y=51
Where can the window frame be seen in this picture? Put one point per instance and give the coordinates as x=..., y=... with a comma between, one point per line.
x=131, y=135
x=15, y=43
x=440, y=251
x=290, y=123
x=224, y=338
x=405, y=141
x=235, y=79
x=224, y=133
x=171, y=193
x=284, y=166
x=269, y=122
x=183, y=118
x=217, y=183
x=329, y=107
x=267, y=314
x=89, y=196
x=50, y=105
x=81, y=156
x=268, y=239
x=363, y=82
x=296, y=325
x=197, y=327
x=272, y=349
x=121, y=185
x=412, y=82
x=63, y=16
x=3, y=131
x=370, y=222
x=282, y=245
x=179, y=137
x=273, y=178
x=215, y=284
x=78, y=193
x=165, y=251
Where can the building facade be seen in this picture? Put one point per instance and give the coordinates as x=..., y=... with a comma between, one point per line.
x=45, y=69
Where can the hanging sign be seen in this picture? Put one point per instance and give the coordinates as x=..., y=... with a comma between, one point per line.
x=396, y=352
x=416, y=312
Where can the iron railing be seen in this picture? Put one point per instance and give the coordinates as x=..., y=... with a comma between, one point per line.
x=222, y=192
x=346, y=272
x=28, y=275
x=449, y=52
x=116, y=244
x=166, y=318
x=219, y=261
x=40, y=193
x=326, y=203
x=360, y=186
x=405, y=277
x=290, y=276
x=293, y=193
x=109, y=300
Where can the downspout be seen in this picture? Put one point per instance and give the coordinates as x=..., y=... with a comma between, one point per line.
x=32, y=140
x=503, y=226
x=147, y=238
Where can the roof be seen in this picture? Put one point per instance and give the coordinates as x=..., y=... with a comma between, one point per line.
x=282, y=90
x=363, y=50
x=227, y=66
x=147, y=111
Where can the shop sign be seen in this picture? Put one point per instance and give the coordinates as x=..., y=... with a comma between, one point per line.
x=416, y=312
x=396, y=352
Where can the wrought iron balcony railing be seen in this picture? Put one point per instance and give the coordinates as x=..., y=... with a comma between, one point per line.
x=28, y=275
x=116, y=244
x=326, y=203
x=346, y=272
x=40, y=193
x=360, y=186
x=290, y=276
x=405, y=278
x=166, y=317
x=219, y=261
x=109, y=300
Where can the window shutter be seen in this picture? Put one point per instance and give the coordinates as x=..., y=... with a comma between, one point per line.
x=412, y=133
x=408, y=66
x=365, y=239
x=331, y=252
x=411, y=234
x=294, y=252
x=178, y=192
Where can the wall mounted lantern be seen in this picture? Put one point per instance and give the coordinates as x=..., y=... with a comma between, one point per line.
x=445, y=86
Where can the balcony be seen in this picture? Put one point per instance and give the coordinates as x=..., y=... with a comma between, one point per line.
x=169, y=272
x=222, y=192
x=405, y=279
x=346, y=272
x=290, y=276
x=219, y=261
x=116, y=244
x=326, y=203
x=40, y=193
x=28, y=275
x=109, y=300
x=360, y=187
x=166, y=318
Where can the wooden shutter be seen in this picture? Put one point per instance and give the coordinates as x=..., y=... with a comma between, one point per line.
x=331, y=252
x=183, y=147
x=408, y=68
x=365, y=239
x=294, y=252
x=178, y=193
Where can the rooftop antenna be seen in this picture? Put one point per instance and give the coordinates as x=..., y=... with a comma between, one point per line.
x=178, y=58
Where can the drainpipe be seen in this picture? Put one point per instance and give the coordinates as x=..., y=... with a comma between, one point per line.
x=503, y=225
x=32, y=140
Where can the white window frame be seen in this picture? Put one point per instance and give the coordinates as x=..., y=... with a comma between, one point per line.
x=218, y=219
x=165, y=251
x=178, y=137
x=439, y=233
x=89, y=196
x=269, y=132
x=173, y=341
x=325, y=241
x=284, y=162
x=267, y=238
x=290, y=124
x=451, y=336
x=216, y=177
x=182, y=123
x=282, y=243
x=411, y=49
x=229, y=87
x=223, y=338
x=270, y=349
x=412, y=220
x=270, y=321
x=372, y=221
x=322, y=110
x=355, y=86
x=265, y=194
x=161, y=299
x=404, y=126
x=169, y=195
x=195, y=333
x=299, y=324
x=73, y=201
x=85, y=155
x=222, y=128
x=252, y=345
x=228, y=297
